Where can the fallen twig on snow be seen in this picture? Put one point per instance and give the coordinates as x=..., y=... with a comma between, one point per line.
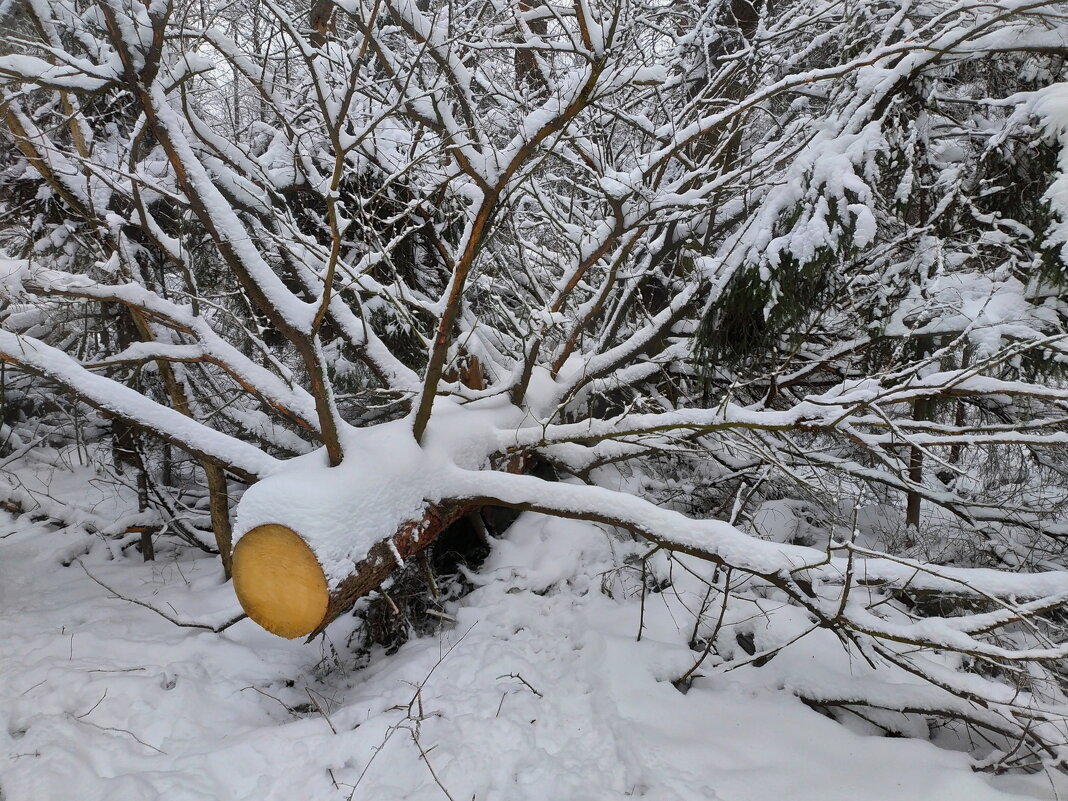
x=186, y=624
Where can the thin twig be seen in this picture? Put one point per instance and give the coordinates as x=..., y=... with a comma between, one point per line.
x=321, y=712
x=185, y=624
x=94, y=706
x=416, y=699
x=124, y=731
x=285, y=706
x=520, y=678
x=426, y=761
x=681, y=680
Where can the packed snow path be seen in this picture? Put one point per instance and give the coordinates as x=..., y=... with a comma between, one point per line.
x=540, y=691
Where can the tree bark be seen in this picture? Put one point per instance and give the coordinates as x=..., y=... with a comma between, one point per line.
x=320, y=17
x=922, y=409
x=527, y=73
x=411, y=540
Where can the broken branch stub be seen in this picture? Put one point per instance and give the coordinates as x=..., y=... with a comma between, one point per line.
x=281, y=584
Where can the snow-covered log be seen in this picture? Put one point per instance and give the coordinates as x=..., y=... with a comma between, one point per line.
x=313, y=539
x=282, y=585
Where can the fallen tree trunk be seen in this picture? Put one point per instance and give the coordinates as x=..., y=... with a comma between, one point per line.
x=312, y=540
x=282, y=585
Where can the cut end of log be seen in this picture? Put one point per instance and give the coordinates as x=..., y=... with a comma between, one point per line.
x=279, y=582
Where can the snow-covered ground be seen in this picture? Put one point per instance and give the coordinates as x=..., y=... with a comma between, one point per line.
x=540, y=691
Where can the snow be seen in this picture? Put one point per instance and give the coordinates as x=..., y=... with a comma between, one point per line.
x=79, y=74
x=988, y=310
x=223, y=219
x=108, y=698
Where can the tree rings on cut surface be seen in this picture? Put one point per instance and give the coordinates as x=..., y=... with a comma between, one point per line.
x=279, y=582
